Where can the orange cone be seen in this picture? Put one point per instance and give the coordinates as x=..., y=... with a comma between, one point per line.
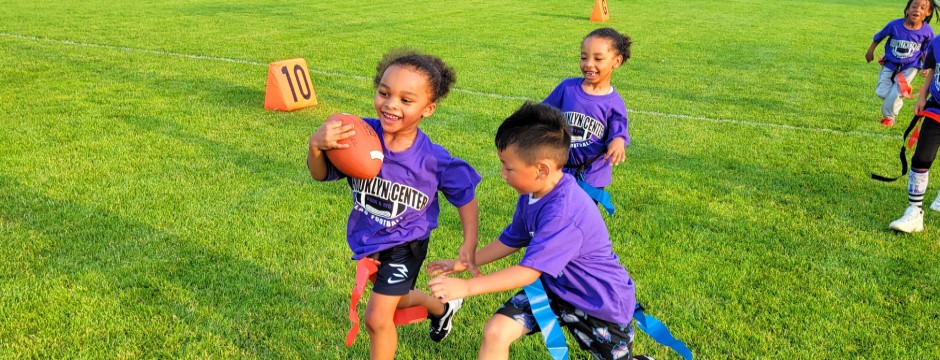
x=600, y=11
x=289, y=86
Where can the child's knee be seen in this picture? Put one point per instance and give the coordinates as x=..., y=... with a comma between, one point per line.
x=882, y=92
x=377, y=322
x=502, y=331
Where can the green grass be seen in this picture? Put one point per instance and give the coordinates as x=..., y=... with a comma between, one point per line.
x=150, y=207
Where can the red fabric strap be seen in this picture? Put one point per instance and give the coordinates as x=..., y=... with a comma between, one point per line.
x=366, y=269
x=904, y=86
x=915, y=134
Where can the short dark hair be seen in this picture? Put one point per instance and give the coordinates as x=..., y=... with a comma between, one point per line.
x=440, y=76
x=538, y=131
x=618, y=41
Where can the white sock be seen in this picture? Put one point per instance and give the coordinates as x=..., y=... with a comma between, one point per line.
x=916, y=187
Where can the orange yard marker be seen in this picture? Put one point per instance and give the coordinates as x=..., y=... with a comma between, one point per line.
x=289, y=86
x=600, y=11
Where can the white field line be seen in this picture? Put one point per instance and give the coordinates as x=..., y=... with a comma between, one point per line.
x=471, y=92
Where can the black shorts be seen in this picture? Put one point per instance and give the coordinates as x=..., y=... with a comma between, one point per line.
x=926, y=151
x=602, y=338
x=399, y=268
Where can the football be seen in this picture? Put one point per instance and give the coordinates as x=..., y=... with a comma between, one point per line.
x=363, y=158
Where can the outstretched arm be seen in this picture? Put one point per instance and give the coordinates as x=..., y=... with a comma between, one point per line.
x=470, y=221
x=493, y=251
x=924, y=90
x=870, y=55
x=445, y=289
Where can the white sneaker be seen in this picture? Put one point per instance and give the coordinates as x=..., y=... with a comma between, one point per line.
x=912, y=221
x=935, y=206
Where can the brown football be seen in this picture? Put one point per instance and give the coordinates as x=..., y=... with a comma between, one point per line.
x=363, y=158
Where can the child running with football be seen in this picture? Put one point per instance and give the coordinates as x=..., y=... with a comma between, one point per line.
x=408, y=86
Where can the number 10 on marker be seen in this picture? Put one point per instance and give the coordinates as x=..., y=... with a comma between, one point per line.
x=289, y=86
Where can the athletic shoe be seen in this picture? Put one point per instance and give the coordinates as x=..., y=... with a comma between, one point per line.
x=886, y=121
x=441, y=324
x=912, y=221
x=643, y=357
x=936, y=204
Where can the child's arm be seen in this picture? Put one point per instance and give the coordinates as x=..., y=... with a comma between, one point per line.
x=325, y=139
x=870, y=55
x=445, y=289
x=470, y=221
x=924, y=90
x=493, y=251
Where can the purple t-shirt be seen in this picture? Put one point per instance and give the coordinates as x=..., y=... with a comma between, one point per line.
x=931, y=61
x=595, y=120
x=566, y=239
x=904, y=47
x=400, y=204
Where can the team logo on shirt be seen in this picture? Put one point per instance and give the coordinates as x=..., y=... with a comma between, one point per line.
x=583, y=129
x=904, y=49
x=936, y=75
x=384, y=201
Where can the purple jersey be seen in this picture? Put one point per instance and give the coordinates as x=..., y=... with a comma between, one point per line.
x=566, y=239
x=595, y=120
x=904, y=47
x=400, y=204
x=931, y=62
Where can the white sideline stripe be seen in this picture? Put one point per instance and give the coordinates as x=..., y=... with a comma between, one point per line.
x=770, y=125
x=471, y=92
x=167, y=53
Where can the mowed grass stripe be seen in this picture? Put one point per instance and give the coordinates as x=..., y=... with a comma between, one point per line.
x=152, y=208
x=472, y=92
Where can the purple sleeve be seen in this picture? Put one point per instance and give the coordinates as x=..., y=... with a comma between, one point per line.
x=515, y=235
x=618, y=124
x=555, y=98
x=556, y=243
x=332, y=173
x=458, y=181
x=930, y=61
x=883, y=33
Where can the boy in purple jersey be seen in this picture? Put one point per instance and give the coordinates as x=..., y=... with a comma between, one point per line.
x=393, y=214
x=594, y=110
x=567, y=247
x=907, y=37
x=927, y=144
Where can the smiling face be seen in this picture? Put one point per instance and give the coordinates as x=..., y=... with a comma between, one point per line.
x=402, y=99
x=917, y=11
x=598, y=60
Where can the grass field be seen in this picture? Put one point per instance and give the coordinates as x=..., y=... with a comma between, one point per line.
x=151, y=208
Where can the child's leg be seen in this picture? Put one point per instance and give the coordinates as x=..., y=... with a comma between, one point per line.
x=395, y=279
x=511, y=321
x=603, y=339
x=383, y=338
x=498, y=334
x=884, y=82
x=419, y=298
x=924, y=155
x=893, y=102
